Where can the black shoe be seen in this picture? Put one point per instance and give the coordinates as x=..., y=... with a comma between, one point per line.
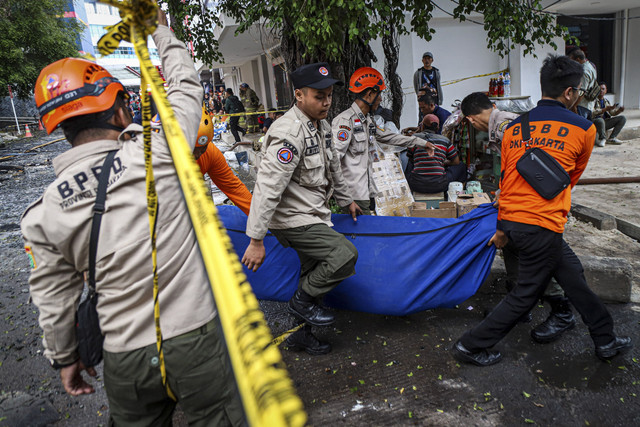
x=305, y=340
x=480, y=358
x=617, y=346
x=552, y=328
x=309, y=311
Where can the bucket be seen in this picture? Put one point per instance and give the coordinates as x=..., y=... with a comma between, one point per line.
x=473, y=187
x=455, y=187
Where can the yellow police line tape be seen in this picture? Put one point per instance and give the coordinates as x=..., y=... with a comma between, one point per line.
x=267, y=392
x=277, y=341
x=450, y=82
x=252, y=113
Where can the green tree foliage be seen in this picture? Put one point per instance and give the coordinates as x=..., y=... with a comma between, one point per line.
x=193, y=21
x=339, y=31
x=323, y=26
x=33, y=35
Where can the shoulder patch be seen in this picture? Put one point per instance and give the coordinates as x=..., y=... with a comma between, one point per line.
x=345, y=127
x=503, y=125
x=285, y=155
x=342, y=135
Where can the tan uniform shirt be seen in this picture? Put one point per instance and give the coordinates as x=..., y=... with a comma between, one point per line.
x=589, y=79
x=298, y=173
x=353, y=135
x=498, y=121
x=56, y=229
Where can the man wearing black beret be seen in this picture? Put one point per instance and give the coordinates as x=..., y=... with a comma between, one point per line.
x=299, y=172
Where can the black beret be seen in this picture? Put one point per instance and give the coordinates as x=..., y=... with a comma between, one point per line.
x=317, y=76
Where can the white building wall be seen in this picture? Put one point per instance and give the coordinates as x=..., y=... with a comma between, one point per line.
x=460, y=50
x=525, y=70
x=632, y=68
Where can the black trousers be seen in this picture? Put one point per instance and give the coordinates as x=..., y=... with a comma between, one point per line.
x=543, y=254
x=233, y=125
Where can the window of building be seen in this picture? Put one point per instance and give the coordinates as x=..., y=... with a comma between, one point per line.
x=597, y=42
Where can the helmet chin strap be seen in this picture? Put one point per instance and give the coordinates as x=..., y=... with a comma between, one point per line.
x=370, y=104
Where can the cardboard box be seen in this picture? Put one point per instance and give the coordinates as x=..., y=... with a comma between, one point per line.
x=445, y=210
x=468, y=202
x=394, y=197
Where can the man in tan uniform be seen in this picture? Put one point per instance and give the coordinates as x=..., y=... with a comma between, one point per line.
x=354, y=133
x=298, y=173
x=89, y=105
x=484, y=116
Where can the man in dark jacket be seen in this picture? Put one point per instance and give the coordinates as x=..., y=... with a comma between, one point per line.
x=428, y=77
x=232, y=106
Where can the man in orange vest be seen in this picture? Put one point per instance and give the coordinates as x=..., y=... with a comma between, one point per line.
x=535, y=224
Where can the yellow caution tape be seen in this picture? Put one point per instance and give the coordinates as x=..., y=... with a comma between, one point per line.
x=450, y=82
x=253, y=113
x=268, y=395
x=277, y=341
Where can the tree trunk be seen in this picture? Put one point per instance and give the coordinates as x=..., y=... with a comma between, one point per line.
x=391, y=49
x=356, y=53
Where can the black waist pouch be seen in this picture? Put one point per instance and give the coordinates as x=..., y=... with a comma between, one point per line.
x=88, y=332
x=540, y=169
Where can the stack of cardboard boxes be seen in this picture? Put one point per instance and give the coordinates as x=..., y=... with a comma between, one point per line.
x=464, y=204
x=396, y=199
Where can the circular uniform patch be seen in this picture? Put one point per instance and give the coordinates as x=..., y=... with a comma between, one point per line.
x=202, y=141
x=323, y=71
x=285, y=155
x=342, y=135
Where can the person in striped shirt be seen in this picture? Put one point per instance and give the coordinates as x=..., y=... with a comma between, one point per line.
x=432, y=174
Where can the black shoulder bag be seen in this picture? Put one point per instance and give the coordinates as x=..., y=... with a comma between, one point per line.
x=88, y=332
x=539, y=168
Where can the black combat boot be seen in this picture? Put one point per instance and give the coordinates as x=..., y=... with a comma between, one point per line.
x=304, y=307
x=303, y=339
x=560, y=319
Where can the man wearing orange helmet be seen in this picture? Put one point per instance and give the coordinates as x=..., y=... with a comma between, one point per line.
x=90, y=106
x=354, y=134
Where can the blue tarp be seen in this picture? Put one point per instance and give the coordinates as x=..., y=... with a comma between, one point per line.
x=405, y=265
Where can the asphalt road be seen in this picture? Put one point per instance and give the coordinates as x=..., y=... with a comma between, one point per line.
x=382, y=370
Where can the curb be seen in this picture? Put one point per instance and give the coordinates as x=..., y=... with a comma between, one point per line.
x=629, y=133
x=609, y=278
x=603, y=221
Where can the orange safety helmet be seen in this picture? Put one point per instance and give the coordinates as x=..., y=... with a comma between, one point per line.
x=366, y=77
x=205, y=131
x=74, y=87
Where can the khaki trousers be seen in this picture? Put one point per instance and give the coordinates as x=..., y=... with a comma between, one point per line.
x=326, y=256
